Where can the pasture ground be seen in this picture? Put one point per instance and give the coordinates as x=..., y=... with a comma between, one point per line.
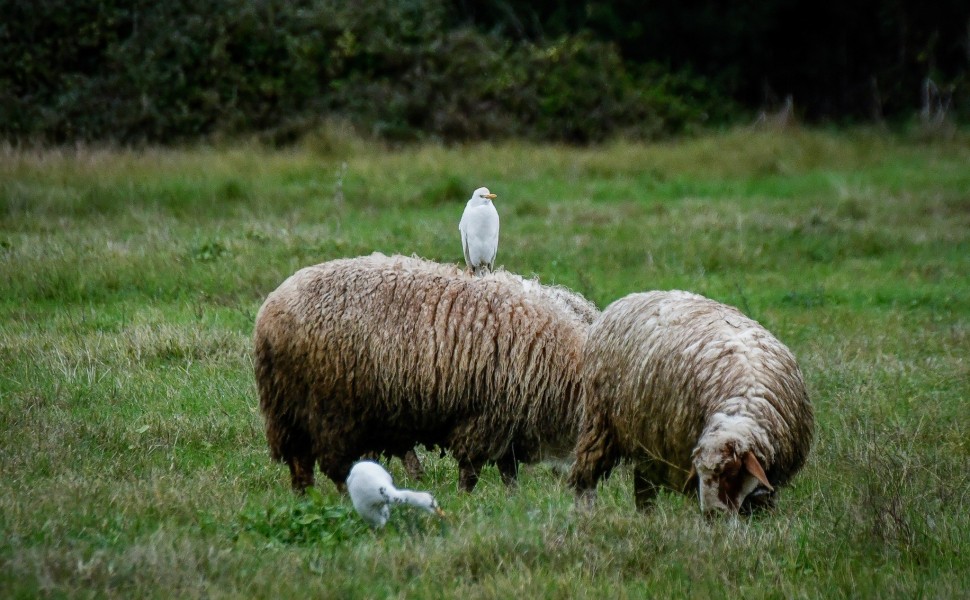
x=133, y=458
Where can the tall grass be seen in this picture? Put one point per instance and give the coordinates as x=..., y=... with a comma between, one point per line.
x=133, y=458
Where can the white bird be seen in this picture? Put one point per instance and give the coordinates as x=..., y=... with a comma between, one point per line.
x=372, y=491
x=479, y=231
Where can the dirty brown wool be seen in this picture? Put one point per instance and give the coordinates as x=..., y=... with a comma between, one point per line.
x=376, y=354
x=672, y=381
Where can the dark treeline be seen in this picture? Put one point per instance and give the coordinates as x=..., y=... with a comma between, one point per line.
x=163, y=71
x=852, y=59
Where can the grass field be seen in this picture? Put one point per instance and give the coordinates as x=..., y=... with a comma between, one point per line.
x=131, y=446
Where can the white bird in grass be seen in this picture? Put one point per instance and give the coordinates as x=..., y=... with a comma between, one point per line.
x=479, y=231
x=372, y=491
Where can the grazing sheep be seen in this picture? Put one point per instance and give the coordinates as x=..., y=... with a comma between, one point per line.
x=694, y=394
x=376, y=354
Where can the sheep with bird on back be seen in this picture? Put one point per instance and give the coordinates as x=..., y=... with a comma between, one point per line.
x=376, y=354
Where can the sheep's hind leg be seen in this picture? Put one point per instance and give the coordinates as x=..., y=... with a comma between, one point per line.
x=336, y=464
x=301, y=471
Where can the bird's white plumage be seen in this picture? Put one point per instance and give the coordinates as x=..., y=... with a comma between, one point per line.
x=479, y=231
x=372, y=492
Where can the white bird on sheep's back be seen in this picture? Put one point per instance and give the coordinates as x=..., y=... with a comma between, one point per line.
x=479, y=232
x=372, y=492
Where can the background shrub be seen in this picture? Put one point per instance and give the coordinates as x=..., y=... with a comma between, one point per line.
x=140, y=71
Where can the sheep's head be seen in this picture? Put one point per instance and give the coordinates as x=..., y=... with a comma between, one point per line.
x=727, y=475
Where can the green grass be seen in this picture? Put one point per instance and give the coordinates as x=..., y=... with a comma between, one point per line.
x=132, y=454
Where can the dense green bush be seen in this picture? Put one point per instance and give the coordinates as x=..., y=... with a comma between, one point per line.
x=168, y=71
x=839, y=60
x=138, y=71
x=129, y=71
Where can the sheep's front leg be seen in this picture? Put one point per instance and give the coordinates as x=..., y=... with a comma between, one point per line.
x=468, y=471
x=508, y=467
x=596, y=456
x=412, y=465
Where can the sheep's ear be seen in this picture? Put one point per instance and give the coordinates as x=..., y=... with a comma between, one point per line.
x=754, y=467
x=691, y=483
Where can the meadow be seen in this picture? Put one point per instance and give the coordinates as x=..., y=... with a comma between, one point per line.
x=134, y=463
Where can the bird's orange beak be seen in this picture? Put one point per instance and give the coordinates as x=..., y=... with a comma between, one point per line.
x=491, y=196
x=440, y=513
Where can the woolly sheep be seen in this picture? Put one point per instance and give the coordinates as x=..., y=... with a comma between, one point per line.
x=376, y=354
x=696, y=395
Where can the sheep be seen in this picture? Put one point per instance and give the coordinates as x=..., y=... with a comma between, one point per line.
x=376, y=354
x=697, y=396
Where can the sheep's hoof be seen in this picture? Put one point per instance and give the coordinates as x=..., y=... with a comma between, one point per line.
x=467, y=478
x=301, y=473
x=586, y=500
